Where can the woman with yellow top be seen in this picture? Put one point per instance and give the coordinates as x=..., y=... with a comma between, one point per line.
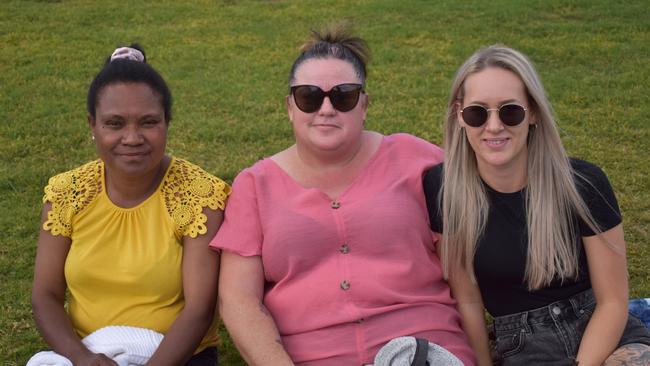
x=127, y=235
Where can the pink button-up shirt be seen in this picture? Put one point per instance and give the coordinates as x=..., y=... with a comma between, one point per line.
x=344, y=277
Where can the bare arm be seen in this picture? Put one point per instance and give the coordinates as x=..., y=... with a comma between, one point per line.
x=608, y=273
x=472, y=311
x=249, y=323
x=48, y=297
x=200, y=281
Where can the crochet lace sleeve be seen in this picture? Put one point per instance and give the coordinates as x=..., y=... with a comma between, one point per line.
x=69, y=193
x=187, y=190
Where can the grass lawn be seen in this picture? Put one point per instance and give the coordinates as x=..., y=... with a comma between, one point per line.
x=227, y=64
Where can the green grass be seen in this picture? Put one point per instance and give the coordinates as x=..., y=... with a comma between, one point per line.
x=227, y=65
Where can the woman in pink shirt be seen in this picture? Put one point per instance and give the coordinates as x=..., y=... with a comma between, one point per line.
x=327, y=253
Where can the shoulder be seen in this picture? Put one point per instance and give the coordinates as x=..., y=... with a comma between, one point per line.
x=597, y=193
x=434, y=175
x=413, y=150
x=585, y=167
x=264, y=171
x=188, y=189
x=69, y=193
x=67, y=182
x=412, y=143
x=433, y=180
x=588, y=176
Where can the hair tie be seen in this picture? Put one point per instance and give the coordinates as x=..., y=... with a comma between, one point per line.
x=127, y=53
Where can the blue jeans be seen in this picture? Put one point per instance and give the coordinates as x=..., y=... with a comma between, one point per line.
x=551, y=335
x=641, y=309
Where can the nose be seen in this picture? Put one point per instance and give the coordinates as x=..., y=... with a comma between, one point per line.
x=493, y=123
x=326, y=108
x=132, y=136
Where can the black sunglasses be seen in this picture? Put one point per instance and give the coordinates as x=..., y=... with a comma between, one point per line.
x=509, y=114
x=309, y=98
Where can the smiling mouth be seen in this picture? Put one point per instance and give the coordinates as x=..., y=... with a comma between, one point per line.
x=134, y=154
x=496, y=142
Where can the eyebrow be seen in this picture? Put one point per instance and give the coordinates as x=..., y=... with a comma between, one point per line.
x=121, y=116
x=503, y=102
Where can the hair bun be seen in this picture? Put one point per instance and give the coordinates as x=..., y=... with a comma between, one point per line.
x=128, y=53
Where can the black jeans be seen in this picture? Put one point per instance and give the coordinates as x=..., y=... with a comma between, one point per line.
x=207, y=357
x=551, y=335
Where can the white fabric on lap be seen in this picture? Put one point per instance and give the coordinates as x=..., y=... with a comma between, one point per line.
x=126, y=346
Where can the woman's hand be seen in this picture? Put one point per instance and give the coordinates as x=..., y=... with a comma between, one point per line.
x=94, y=359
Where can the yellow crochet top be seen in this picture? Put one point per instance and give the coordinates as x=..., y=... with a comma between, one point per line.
x=124, y=264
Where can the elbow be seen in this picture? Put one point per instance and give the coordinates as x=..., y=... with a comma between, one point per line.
x=40, y=301
x=201, y=313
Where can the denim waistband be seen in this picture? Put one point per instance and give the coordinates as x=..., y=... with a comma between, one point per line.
x=575, y=305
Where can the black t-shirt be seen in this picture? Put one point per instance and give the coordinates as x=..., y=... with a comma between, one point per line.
x=500, y=261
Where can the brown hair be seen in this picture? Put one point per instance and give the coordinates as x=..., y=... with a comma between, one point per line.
x=334, y=41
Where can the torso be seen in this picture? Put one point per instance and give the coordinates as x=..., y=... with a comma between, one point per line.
x=501, y=254
x=124, y=264
x=347, y=274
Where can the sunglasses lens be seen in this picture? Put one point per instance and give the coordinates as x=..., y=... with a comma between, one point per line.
x=512, y=114
x=308, y=98
x=474, y=115
x=345, y=97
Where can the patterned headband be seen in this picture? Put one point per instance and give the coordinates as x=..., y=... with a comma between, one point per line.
x=128, y=53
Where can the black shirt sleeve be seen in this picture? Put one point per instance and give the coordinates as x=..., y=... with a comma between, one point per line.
x=432, y=189
x=597, y=192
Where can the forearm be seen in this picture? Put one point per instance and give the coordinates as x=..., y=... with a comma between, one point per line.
x=602, y=333
x=56, y=329
x=254, y=332
x=473, y=315
x=184, y=336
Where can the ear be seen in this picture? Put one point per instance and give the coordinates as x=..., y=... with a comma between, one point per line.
x=459, y=115
x=365, y=102
x=532, y=118
x=287, y=102
x=91, y=121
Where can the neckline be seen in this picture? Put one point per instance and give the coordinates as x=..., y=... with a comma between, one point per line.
x=503, y=194
x=363, y=172
x=146, y=200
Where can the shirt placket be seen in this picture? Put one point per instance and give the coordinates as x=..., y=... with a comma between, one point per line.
x=346, y=251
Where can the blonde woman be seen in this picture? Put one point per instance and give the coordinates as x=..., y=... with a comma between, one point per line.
x=525, y=232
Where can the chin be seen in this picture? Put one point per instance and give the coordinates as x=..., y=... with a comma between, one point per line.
x=134, y=168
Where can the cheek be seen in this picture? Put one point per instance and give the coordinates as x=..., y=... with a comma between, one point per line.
x=472, y=138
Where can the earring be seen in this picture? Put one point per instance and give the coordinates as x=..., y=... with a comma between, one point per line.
x=92, y=137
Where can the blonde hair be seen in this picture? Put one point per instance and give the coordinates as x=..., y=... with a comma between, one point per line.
x=551, y=197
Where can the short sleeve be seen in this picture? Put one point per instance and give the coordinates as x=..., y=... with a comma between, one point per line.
x=598, y=195
x=68, y=193
x=241, y=231
x=432, y=187
x=187, y=190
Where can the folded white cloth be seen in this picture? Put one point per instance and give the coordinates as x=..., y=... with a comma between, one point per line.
x=127, y=346
x=401, y=351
